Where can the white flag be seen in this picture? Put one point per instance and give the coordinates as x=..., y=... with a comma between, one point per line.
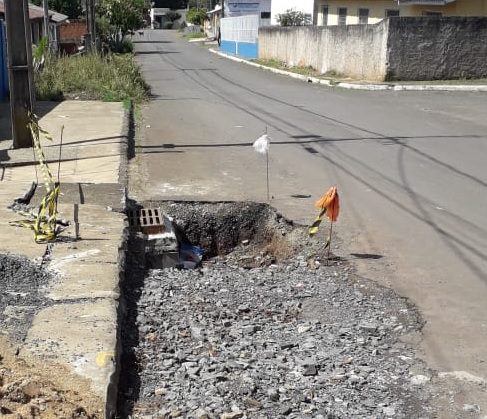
x=261, y=145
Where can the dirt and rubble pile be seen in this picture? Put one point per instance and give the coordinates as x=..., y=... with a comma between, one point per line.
x=29, y=389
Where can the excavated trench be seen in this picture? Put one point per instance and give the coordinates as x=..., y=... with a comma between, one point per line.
x=264, y=328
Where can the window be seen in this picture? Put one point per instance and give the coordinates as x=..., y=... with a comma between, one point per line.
x=432, y=14
x=342, y=15
x=363, y=16
x=265, y=15
x=324, y=15
x=392, y=13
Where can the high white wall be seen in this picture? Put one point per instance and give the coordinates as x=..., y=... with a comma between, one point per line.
x=280, y=6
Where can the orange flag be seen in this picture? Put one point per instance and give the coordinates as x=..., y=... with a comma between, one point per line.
x=330, y=202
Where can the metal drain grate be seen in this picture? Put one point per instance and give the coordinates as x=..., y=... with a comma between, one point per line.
x=149, y=220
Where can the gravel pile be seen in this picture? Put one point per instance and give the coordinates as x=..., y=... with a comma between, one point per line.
x=21, y=283
x=289, y=340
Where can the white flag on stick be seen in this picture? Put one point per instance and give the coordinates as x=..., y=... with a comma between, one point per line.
x=261, y=145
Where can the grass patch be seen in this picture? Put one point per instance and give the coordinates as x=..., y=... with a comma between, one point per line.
x=194, y=35
x=281, y=65
x=111, y=78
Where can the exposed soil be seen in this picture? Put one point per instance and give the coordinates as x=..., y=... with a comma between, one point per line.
x=30, y=389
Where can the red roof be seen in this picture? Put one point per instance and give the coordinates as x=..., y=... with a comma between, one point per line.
x=33, y=13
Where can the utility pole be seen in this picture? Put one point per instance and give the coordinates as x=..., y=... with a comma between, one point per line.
x=28, y=38
x=46, y=20
x=18, y=43
x=90, y=25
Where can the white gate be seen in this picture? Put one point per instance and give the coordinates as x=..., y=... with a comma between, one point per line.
x=240, y=35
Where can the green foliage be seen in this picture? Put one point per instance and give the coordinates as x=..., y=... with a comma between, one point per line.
x=40, y=50
x=124, y=16
x=110, y=78
x=194, y=35
x=196, y=16
x=292, y=17
x=71, y=8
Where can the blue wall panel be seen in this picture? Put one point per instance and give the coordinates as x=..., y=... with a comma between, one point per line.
x=242, y=49
x=228, y=47
x=247, y=50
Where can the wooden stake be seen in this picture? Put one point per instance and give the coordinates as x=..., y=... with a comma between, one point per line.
x=267, y=160
x=329, y=243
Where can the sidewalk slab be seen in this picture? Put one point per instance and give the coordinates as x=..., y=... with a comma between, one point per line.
x=77, y=327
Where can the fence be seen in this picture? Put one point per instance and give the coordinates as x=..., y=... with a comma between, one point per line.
x=400, y=48
x=3, y=62
x=239, y=35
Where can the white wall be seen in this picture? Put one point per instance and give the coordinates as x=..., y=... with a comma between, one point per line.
x=280, y=6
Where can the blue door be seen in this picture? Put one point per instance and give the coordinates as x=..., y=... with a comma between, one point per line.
x=3, y=62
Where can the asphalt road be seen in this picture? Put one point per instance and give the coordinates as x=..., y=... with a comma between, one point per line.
x=410, y=166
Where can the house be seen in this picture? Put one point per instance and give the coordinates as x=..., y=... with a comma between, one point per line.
x=36, y=16
x=262, y=8
x=71, y=36
x=352, y=12
x=55, y=21
x=162, y=9
x=237, y=8
x=281, y=6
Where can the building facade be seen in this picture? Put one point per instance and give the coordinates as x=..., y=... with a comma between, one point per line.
x=353, y=12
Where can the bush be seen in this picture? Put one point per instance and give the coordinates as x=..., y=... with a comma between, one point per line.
x=168, y=25
x=173, y=16
x=113, y=78
x=196, y=16
x=293, y=17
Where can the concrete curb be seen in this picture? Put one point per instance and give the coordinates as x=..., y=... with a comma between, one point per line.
x=359, y=86
x=126, y=147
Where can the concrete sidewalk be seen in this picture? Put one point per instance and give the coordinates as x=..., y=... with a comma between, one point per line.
x=78, y=326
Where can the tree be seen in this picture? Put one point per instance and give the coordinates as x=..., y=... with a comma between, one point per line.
x=125, y=16
x=70, y=8
x=292, y=17
x=196, y=16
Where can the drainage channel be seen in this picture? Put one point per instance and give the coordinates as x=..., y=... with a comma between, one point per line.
x=262, y=328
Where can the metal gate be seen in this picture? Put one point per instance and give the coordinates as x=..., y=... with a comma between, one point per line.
x=240, y=35
x=3, y=62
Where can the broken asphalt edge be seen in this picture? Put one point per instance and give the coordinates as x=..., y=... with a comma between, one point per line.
x=358, y=86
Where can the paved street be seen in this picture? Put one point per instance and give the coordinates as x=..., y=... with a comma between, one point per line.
x=410, y=167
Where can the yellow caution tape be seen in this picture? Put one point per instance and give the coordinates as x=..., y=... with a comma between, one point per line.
x=314, y=228
x=44, y=222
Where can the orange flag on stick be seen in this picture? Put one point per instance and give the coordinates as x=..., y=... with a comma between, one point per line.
x=331, y=203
